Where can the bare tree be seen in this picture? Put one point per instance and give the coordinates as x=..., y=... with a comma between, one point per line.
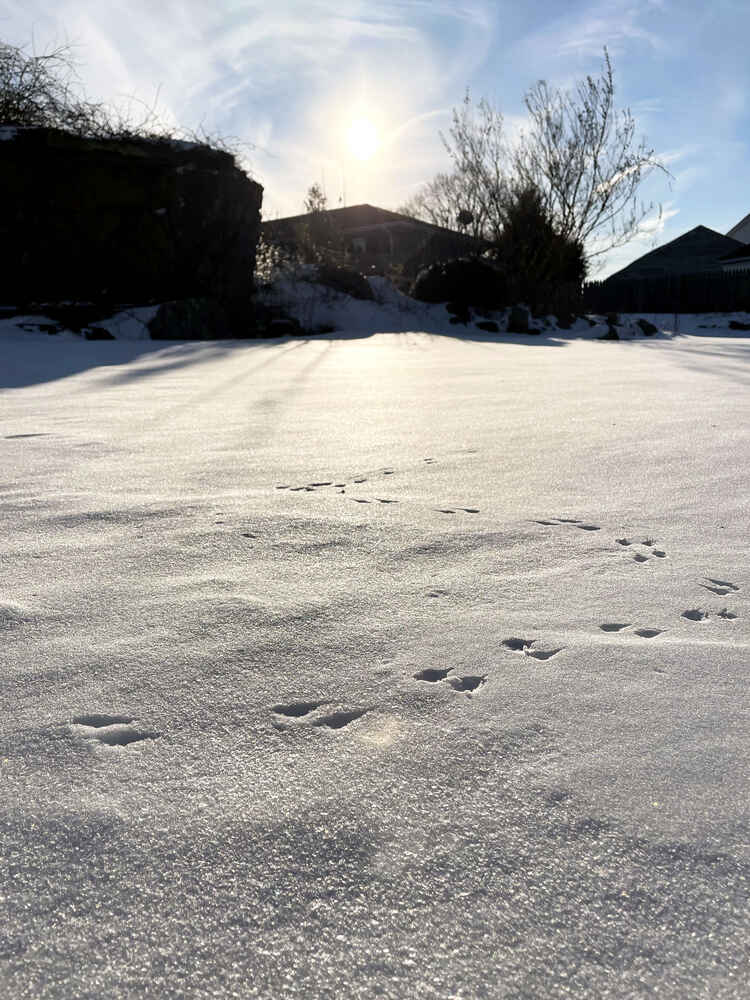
x=578, y=152
x=316, y=199
x=44, y=91
x=582, y=154
x=448, y=201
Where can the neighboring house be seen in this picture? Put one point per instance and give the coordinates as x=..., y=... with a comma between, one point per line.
x=741, y=231
x=379, y=240
x=736, y=260
x=697, y=251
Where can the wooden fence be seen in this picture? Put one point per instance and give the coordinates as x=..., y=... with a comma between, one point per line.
x=675, y=293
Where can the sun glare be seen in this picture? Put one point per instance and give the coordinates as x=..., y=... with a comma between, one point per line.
x=362, y=138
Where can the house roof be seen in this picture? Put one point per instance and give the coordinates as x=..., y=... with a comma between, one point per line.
x=740, y=253
x=736, y=230
x=694, y=251
x=360, y=217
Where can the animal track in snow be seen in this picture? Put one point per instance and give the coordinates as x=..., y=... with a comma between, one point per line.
x=623, y=541
x=648, y=633
x=639, y=557
x=454, y=510
x=298, y=709
x=13, y=437
x=384, y=500
x=358, y=500
x=614, y=626
x=542, y=654
x=524, y=646
x=112, y=730
x=465, y=684
x=432, y=674
x=445, y=510
x=724, y=613
x=337, y=720
x=471, y=682
x=552, y=522
x=332, y=720
x=695, y=614
x=659, y=553
x=720, y=587
x=517, y=644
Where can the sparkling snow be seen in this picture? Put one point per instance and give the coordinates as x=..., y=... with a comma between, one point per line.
x=396, y=665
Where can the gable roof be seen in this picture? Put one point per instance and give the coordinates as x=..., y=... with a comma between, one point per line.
x=359, y=217
x=743, y=226
x=694, y=251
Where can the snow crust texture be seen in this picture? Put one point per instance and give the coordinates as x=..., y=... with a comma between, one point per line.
x=390, y=666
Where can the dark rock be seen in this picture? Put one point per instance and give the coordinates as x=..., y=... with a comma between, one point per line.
x=565, y=321
x=489, y=325
x=613, y=319
x=734, y=324
x=518, y=321
x=98, y=333
x=648, y=329
x=458, y=321
x=465, y=281
x=346, y=280
x=611, y=334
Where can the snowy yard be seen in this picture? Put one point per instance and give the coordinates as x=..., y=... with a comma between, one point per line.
x=404, y=666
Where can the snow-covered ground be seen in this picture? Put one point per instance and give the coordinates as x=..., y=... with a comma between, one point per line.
x=402, y=665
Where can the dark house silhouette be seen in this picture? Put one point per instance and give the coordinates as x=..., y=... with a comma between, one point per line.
x=695, y=252
x=380, y=241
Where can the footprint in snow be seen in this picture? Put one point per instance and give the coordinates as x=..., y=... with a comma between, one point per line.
x=543, y=654
x=338, y=720
x=111, y=730
x=465, y=684
x=333, y=720
x=614, y=626
x=695, y=614
x=524, y=646
x=720, y=587
x=432, y=674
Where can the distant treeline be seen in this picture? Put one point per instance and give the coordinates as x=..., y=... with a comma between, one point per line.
x=673, y=293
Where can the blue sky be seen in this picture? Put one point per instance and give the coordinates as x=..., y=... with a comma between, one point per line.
x=288, y=78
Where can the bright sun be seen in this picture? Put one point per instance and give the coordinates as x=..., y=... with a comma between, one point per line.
x=362, y=138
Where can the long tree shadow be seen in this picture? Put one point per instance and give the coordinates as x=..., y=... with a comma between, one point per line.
x=36, y=360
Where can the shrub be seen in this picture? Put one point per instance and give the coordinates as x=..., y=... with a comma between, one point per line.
x=344, y=279
x=467, y=281
x=535, y=257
